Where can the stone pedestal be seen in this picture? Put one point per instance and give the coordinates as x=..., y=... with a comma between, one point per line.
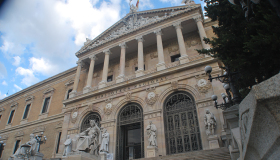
x=213, y=141
x=120, y=79
x=86, y=89
x=103, y=155
x=81, y=156
x=72, y=94
x=152, y=151
x=102, y=84
x=139, y=73
x=184, y=59
x=161, y=66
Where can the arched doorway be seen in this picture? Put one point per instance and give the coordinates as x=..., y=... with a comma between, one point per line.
x=182, y=132
x=130, y=136
x=86, y=121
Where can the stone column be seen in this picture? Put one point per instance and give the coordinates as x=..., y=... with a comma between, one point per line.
x=140, y=71
x=102, y=84
x=161, y=63
x=201, y=30
x=184, y=57
x=90, y=73
x=120, y=78
x=77, y=78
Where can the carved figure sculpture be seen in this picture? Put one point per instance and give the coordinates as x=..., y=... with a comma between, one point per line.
x=132, y=8
x=32, y=143
x=152, y=131
x=105, y=141
x=89, y=140
x=210, y=122
x=67, y=146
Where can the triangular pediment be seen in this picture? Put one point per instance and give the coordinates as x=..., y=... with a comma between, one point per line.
x=133, y=22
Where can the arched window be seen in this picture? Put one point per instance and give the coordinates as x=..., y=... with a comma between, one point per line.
x=182, y=132
x=86, y=121
x=130, y=136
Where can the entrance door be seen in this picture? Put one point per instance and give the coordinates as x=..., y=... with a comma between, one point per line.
x=181, y=124
x=130, y=141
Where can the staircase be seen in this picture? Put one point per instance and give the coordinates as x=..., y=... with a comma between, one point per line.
x=213, y=154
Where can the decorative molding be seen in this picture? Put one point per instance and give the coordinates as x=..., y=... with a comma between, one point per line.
x=151, y=97
x=4, y=137
x=19, y=134
x=58, y=125
x=49, y=90
x=152, y=114
x=70, y=82
x=109, y=106
x=128, y=96
x=39, y=129
x=198, y=18
x=174, y=85
x=2, y=109
x=15, y=104
x=30, y=98
x=74, y=115
x=203, y=85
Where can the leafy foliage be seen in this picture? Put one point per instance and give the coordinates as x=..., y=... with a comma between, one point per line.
x=253, y=48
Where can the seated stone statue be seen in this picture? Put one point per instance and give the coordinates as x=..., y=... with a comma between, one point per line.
x=89, y=140
x=32, y=143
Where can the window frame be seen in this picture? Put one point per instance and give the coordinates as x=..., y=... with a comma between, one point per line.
x=25, y=111
x=14, y=151
x=173, y=56
x=48, y=107
x=112, y=78
x=10, y=117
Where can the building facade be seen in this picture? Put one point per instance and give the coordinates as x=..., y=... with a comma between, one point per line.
x=143, y=68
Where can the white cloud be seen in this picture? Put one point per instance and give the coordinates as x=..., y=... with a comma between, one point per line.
x=43, y=66
x=4, y=83
x=28, y=75
x=17, y=87
x=143, y=4
x=173, y=2
x=3, y=71
x=17, y=61
x=2, y=95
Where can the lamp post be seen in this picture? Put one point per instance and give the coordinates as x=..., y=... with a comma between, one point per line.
x=40, y=140
x=2, y=145
x=228, y=83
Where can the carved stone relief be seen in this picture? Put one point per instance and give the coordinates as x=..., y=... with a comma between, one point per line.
x=128, y=96
x=48, y=90
x=151, y=96
x=174, y=85
x=244, y=125
x=203, y=85
x=19, y=134
x=108, y=107
x=74, y=115
x=39, y=129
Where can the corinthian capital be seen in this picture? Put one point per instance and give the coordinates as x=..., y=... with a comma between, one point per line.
x=80, y=62
x=92, y=57
x=107, y=51
x=140, y=39
x=197, y=18
x=123, y=45
x=158, y=32
x=177, y=25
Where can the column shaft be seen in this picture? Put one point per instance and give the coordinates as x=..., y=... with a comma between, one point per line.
x=121, y=76
x=181, y=42
x=105, y=69
x=76, y=81
x=140, y=70
x=90, y=74
x=202, y=32
x=161, y=63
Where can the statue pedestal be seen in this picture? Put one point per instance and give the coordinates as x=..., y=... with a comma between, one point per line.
x=81, y=156
x=152, y=151
x=213, y=141
x=103, y=155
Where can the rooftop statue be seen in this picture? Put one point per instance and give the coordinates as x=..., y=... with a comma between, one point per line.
x=132, y=7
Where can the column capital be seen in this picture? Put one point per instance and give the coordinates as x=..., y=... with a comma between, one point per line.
x=139, y=38
x=158, y=32
x=79, y=63
x=177, y=25
x=197, y=18
x=107, y=51
x=123, y=45
x=92, y=57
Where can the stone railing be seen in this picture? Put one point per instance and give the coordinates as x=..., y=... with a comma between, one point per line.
x=173, y=64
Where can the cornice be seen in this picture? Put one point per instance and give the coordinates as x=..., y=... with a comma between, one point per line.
x=180, y=10
x=33, y=123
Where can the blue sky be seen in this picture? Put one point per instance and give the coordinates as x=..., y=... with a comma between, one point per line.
x=39, y=38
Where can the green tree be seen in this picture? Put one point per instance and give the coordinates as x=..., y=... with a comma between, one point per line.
x=253, y=48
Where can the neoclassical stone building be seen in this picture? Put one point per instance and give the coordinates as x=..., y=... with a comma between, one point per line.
x=143, y=68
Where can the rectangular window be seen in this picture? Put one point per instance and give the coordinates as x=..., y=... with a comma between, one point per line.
x=58, y=140
x=26, y=111
x=16, y=146
x=110, y=78
x=11, y=116
x=70, y=90
x=175, y=58
x=46, y=105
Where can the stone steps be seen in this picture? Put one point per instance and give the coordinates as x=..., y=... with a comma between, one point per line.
x=213, y=154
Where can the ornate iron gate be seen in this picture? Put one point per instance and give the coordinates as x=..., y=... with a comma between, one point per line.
x=129, y=116
x=86, y=121
x=181, y=124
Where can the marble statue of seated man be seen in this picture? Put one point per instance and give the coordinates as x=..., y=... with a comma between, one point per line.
x=90, y=139
x=32, y=143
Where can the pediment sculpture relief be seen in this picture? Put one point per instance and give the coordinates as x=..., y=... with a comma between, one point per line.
x=151, y=96
x=108, y=107
x=203, y=85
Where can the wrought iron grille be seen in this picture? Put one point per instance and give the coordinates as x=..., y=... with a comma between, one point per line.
x=86, y=121
x=181, y=124
x=130, y=114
